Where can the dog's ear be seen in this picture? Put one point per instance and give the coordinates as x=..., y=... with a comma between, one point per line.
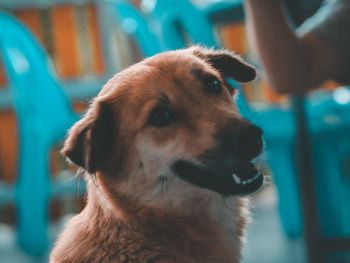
x=89, y=140
x=227, y=63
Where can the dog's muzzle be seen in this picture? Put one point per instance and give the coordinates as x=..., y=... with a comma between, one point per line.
x=228, y=169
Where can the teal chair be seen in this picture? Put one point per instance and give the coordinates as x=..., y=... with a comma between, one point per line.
x=169, y=25
x=137, y=25
x=329, y=117
x=44, y=115
x=327, y=114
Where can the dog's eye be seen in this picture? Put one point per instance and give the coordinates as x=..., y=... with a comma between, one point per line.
x=213, y=85
x=161, y=117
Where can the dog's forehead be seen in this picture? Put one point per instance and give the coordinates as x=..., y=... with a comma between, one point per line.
x=178, y=62
x=158, y=73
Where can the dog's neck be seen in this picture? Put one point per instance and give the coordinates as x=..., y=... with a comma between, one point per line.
x=210, y=207
x=218, y=222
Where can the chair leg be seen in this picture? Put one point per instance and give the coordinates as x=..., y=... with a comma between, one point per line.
x=305, y=168
x=32, y=195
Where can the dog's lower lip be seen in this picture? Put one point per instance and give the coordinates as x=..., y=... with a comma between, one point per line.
x=244, y=180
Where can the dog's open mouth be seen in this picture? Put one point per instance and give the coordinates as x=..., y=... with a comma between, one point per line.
x=244, y=179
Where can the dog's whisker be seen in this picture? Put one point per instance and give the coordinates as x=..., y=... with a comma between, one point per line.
x=163, y=182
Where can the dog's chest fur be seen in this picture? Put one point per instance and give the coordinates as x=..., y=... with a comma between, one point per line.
x=96, y=236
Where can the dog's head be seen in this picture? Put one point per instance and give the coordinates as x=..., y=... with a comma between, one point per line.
x=168, y=126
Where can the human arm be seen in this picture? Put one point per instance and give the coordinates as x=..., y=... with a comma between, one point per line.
x=292, y=63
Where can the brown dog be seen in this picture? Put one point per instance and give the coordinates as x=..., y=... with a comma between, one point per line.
x=167, y=153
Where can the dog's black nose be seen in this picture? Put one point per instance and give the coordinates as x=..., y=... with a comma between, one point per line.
x=249, y=135
x=247, y=141
x=243, y=139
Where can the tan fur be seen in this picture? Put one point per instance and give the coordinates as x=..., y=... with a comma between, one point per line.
x=137, y=209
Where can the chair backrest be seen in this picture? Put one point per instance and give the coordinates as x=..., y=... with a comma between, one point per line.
x=138, y=26
x=43, y=115
x=180, y=20
x=166, y=26
x=35, y=91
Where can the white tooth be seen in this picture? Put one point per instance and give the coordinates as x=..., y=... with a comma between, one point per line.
x=236, y=178
x=254, y=178
x=257, y=175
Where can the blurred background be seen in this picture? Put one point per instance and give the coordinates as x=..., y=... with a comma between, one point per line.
x=55, y=55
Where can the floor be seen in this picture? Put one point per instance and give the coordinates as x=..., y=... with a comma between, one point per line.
x=265, y=240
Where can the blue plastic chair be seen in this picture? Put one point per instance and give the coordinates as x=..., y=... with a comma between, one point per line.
x=44, y=115
x=181, y=20
x=167, y=26
x=138, y=26
x=329, y=122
